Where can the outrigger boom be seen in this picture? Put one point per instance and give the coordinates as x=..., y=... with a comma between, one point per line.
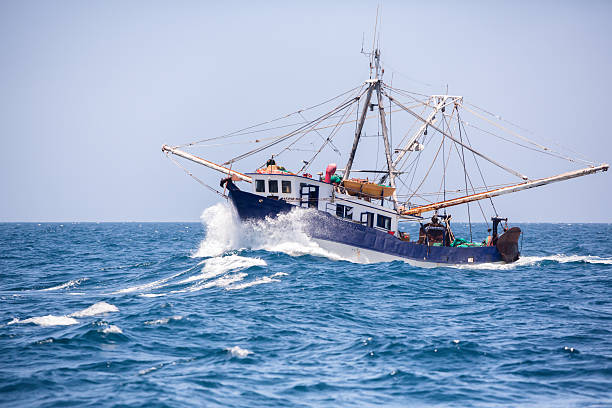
x=505, y=190
x=167, y=149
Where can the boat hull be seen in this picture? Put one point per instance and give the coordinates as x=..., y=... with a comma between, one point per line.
x=361, y=242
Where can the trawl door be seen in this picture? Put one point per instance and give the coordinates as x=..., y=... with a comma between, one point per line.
x=309, y=196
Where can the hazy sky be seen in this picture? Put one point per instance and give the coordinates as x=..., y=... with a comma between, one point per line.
x=91, y=90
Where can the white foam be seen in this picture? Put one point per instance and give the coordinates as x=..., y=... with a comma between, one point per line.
x=236, y=351
x=163, y=321
x=95, y=309
x=47, y=321
x=222, y=282
x=155, y=284
x=284, y=233
x=222, y=231
x=147, y=370
x=258, y=281
x=112, y=329
x=66, y=285
x=533, y=260
x=219, y=265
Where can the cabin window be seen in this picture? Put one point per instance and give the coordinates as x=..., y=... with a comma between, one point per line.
x=367, y=219
x=286, y=186
x=273, y=186
x=383, y=222
x=344, y=211
x=260, y=186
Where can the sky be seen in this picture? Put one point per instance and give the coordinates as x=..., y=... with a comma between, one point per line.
x=89, y=91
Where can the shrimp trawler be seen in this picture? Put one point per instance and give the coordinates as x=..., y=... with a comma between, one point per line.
x=362, y=218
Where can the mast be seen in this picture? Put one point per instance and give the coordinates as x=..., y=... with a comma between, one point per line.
x=364, y=111
x=383, y=123
x=506, y=190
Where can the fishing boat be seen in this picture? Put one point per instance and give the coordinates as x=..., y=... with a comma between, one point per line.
x=362, y=218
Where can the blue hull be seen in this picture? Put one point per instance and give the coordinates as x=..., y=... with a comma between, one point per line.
x=324, y=226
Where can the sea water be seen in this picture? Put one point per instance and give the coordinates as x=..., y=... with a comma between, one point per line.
x=234, y=314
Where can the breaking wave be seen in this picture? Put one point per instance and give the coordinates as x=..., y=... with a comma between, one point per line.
x=285, y=233
x=96, y=309
x=46, y=321
x=66, y=320
x=537, y=260
x=112, y=329
x=239, y=352
x=67, y=285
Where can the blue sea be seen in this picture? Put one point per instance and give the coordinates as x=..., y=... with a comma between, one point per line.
x=225, y=314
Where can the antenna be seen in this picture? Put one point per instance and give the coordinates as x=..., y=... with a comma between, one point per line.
x=375, y=29
x=362, y=41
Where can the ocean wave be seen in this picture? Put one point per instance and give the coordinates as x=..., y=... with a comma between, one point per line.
x=112, y=329
x=155, y=284
x=47, y=321
x=219, y=265
x=95, y=309
x=284, y=233
x=66, y=320
x=239, y=352
x=222, y=282
x=258, y=281
x=164, y=320
x=69, y=284
x=536, y=260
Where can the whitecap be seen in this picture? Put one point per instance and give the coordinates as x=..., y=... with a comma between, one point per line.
x=155, y=284
x=112, y=329
x=147, y=370
x=533, y=260
x=221, y=282
x=237, y=351
x=214, y=267
x=95, y=309
x=46, y=321
x=258, y=281
x=163, y=321
x=66, y=285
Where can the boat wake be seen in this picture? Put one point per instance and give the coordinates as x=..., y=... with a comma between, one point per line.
x=67, y=285
x=285, y=233
x=540, y=260
x=225, y=271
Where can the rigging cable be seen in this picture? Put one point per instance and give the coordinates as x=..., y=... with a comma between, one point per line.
x=332, y=134
x=584, y=158
x=195, y=178
x=484, y=217
x=237, y=132
x=293, y=133
x=464, y=171
x=478, y=166
x=304, y=133
x=546, y=149
x=334, y=148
